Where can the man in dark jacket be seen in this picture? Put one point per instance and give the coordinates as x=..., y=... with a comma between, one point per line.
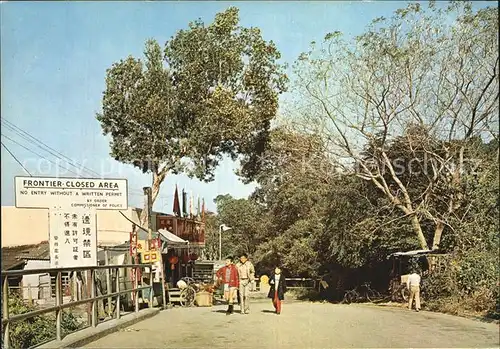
x=277, y=290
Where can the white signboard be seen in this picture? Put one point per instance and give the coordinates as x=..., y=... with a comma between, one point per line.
x=73, y=238
x=74, y=193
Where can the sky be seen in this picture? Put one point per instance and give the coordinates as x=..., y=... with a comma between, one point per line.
x=54, y=57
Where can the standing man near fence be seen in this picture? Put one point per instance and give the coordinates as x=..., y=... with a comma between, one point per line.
x=246, y=273
x=413, y=284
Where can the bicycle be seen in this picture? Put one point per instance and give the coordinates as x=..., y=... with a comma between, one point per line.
x=369, y=294
x=350, y=296
x=399, y=292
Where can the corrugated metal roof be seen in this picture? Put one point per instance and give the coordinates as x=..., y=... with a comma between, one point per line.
x=113, y=251
x=415, y=253
x=171, y=238
x=411, y=253
x=17, y=255
x=33, y=258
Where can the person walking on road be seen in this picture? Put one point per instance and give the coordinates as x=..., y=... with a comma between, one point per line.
x=228, y=276
x=413, y=284
x=277, y=290
x=246, y=272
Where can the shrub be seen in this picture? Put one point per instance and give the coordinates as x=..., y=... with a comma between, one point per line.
x=304, y=294
x=476, y=270
x=438, y=285
x=38, y=329
x=480, y=300
x=469, y=285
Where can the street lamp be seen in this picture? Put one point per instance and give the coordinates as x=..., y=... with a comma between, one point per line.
x=222, y=228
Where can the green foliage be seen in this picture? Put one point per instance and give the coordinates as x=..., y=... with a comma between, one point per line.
x=240, y=215
x=478, y=269
x=304, y=294
x=438, y=285
x=371, y=166
x=369, y=97
x=212, y=91
x=470, y=284
x=478, y=224
x=211, y=236
x=38, y=329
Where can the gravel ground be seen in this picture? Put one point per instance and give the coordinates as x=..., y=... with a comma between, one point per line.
x=303, y=325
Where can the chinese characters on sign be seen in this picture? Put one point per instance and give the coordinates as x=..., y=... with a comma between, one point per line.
x=73, y=238
x=72, y=204
x=150, y=257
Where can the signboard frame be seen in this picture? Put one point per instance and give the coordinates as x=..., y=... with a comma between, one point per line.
x=83, y=205
x=124, y=196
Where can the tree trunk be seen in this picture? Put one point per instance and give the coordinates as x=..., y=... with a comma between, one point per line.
x=158, y=179
x=418, y=230
x=406, y=206
x=437, y=235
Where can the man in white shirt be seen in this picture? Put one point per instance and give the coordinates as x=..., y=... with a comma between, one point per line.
x=413, y=284
x=246, y=272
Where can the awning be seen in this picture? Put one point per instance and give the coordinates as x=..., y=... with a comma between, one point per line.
x=413, y=253
x=171, y=239
x=113, y=251
x=168, y=239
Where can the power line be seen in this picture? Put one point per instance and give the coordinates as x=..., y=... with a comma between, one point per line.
x=35, y=141
x=31, y=151
x=31, y=142
x=131, y=221
x=49, y=149
x=158, y=197
x=20, y=164
x=135, y=192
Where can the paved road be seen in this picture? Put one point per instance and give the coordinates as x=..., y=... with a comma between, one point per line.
x=303, y=325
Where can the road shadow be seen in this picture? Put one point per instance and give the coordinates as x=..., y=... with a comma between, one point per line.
x=269, y=311
x=221, y=311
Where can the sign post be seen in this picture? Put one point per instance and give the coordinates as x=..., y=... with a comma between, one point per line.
x=72, y=204
x=73, y=238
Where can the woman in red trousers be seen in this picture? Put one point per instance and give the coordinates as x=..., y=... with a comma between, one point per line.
x=278, y=289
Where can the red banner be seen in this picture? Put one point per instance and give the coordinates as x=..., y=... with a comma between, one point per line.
x=133, y=244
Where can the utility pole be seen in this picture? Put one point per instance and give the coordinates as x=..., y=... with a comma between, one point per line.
x=148, y=207
x=222, y=228
x=220, y=243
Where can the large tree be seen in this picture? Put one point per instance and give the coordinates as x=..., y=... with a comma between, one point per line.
x=427, y=77
x=293, y=175
x=212, y=91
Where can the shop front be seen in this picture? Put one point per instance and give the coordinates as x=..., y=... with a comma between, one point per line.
x=180, y=258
